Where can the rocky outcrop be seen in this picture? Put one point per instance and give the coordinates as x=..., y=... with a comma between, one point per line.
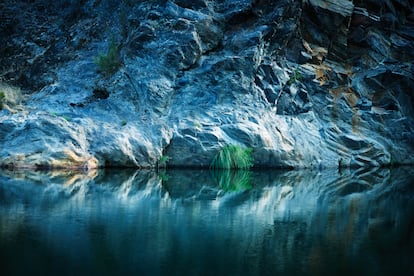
x=304, y=83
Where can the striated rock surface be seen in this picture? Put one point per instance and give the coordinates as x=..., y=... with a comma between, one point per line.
x=304, y=83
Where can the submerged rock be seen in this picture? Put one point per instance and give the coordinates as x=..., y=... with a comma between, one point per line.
x=303, y=83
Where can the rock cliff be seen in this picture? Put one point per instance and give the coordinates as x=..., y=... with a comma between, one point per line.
x=312, y=83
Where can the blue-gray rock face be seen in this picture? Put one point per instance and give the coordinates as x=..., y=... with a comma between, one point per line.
x=304, y=83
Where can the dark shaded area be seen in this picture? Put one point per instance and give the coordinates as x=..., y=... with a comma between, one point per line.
x=38, y=36
x=100, y=93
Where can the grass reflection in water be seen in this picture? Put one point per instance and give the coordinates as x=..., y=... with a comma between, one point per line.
x=353, y=222
x=233, y=180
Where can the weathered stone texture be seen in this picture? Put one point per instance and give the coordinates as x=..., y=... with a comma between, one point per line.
x=317, y=83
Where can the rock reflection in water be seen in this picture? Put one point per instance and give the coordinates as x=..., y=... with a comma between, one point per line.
x=190, y=223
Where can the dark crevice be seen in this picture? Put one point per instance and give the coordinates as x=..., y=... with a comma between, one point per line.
x=100, y=93
x=242, y=18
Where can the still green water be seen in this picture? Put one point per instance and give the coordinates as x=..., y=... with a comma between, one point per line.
x=182, y=222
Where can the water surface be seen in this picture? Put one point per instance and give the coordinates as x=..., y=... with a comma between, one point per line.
x=123, y=222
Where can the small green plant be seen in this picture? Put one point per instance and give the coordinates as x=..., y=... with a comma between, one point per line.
x=110, y=62
x=296, y=75
x=163, y=176
x=2, y=99
x=232, y=157
x=162, y=162
x=65, y=117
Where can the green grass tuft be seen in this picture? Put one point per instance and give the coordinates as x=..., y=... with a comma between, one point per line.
x=230, y=168
x=110, y=62
x=233, y=157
